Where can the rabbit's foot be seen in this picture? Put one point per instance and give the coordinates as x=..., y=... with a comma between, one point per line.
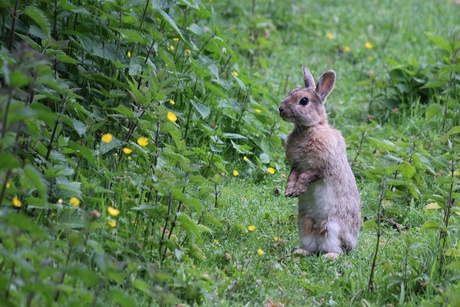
x=299, y=252
x=332, y=255
x=295, y=190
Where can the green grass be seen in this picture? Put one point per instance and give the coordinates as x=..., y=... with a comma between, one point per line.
x=182, y=235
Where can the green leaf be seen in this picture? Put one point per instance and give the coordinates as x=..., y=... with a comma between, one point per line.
x=201, y=108
x=9, y=161
x=407, y=170
x=189, y=226
x=440, y=42
x=455, y=130
x=432, y=110
x=37, y=180
x=233, y=136
x=171, y=23
x=430, y=225
x=40, y=18
x=384, y=145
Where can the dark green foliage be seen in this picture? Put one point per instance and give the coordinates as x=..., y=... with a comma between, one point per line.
x=122, y=124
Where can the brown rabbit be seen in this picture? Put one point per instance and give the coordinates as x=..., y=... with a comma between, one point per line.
x=329, y=216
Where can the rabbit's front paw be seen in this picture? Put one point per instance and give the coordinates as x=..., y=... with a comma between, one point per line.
x=295, y=190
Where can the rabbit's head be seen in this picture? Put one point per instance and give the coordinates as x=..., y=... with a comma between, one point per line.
x=305, y=106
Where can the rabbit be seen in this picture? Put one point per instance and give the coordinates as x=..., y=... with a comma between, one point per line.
x=329, y=205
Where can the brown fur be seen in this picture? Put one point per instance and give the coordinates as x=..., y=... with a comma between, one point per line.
x=329, y=201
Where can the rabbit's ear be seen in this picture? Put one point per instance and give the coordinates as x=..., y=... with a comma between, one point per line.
x=308, y=78
x=326, y=84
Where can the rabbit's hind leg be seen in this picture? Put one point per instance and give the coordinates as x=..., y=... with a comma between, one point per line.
x=307, y=235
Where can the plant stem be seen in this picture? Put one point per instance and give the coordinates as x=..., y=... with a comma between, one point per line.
x=371, y=284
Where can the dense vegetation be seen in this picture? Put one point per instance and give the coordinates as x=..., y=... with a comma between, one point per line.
x=141, y=158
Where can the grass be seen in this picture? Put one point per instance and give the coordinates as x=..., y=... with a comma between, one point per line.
x=188, y=231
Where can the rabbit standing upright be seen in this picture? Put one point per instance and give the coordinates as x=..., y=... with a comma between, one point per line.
x=329, y=208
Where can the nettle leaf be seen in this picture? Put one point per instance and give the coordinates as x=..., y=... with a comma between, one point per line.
x=9, y=161
x=383, y=145
x=233, y=136
x=40, y=18
x=201, y=108
x=430, y=225
x=432, y=110
x=455, y=130
x=190, y=227
x=440, y=42
x=407, y=170
x=432, y=206
x=37, y=180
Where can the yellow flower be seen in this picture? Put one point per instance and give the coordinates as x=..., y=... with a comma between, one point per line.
x=16, y=202
x=74, y=201
x=143, y=141
x=172, y=102
x=235, y=173
x=127, y=151
x=60, y=201
x=176, y=39
x=107, y=138
x=112, y=223
x=171, y=116
x=347, y=49
x=245, y=158
x=329, y=35
x=368, y=45
x=235, y=73
x=128, y=54
x=188, y=51
x=258, y=110
x=8, y=185
x=129, y=157
x=275, y=239
x=172, y=48
x=252, y=228
x=216, y=241
x=112, y=211
x=260, y=252
x=271, y=170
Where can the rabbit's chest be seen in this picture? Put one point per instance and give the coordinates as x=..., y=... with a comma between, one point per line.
x=299, y=153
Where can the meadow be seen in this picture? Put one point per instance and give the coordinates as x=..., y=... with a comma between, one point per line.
x=142, y=161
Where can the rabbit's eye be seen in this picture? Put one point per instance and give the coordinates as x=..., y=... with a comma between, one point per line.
x=304, y=101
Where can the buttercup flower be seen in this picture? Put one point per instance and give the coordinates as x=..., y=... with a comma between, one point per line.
x=245, y=158
x=127, y=151
x=216, y=241
x=368, y=45
x=112, y=211
x=235, y=173
x=252, y=228
x=7, y=185
x=271, y=170
x=176, y=39
x=128, y=54
x=16, y=202
x=329, y=35
x=235, y=73
x=171, y=116
x=107, y=138
x=188, y=51
x=172, y=102
x=143, y=141
x=74, y=202
x=347, y=49
x=258, y=110
x=275, y=239
x=260, y=252
x=172, y=48
x=60, y=201
x=112, y=223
